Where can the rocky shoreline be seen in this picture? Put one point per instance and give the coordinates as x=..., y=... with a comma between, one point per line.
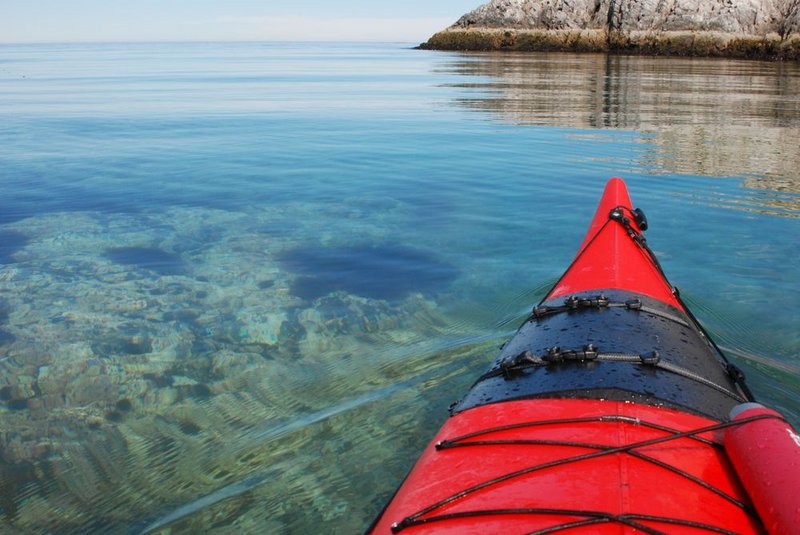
x=767, y=29
x=710, y=44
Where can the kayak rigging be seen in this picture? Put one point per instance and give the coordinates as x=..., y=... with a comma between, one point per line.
x=603, y=450
x=575, y=303
x=510, y=366
x=593, y=517
x=606, y=345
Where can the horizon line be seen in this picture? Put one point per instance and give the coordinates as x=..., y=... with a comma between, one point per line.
x=208, y=41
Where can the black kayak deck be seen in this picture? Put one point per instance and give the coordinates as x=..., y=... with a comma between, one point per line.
x=614, y=345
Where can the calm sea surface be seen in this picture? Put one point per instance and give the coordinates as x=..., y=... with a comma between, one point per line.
x=241, y=283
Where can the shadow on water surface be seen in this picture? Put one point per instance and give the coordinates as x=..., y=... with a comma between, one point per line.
x=388, y=272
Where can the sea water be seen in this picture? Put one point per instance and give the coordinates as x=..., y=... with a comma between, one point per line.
x=241, y=283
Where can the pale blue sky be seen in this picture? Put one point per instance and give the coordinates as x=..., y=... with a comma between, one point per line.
x=27, y=21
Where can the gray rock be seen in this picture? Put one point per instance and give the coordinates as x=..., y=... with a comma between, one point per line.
x=751, y=17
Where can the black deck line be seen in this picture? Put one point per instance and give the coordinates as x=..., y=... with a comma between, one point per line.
x=613, y=330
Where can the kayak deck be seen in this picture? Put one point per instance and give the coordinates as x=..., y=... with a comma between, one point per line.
x=609, y=345
x=515, y=467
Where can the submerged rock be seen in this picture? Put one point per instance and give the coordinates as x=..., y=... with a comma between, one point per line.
x=126, y=390
x=260, y=325
x=150, y=258
x=385, y=272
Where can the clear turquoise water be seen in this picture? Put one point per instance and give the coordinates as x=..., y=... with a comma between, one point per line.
x=195, y=329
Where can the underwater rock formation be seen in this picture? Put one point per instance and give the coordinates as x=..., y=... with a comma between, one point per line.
x=146, y=360
x=763, y=29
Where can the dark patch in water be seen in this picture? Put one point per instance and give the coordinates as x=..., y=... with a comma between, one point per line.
x=10, y=216
x=124, y=405
x=160, y=381
x=151, y=258
x=388, y=272
x=6, y=338
x=13, y=478
x=161, y=447
x=17, y=404
x=263, y=285
x=11, y=241
x=200, y=391
x=190, y=428
x=184, y=315
x=114, y=416
x=125, y=345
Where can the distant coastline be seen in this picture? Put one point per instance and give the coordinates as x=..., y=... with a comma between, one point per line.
x=672, y=43
x=764, y=29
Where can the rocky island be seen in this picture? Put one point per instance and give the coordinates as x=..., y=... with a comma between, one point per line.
x=763, y=29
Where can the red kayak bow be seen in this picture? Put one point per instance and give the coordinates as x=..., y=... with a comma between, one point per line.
x=605, y=413
x=612, y=255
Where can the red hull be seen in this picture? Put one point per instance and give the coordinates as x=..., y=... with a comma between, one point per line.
x=615, y=484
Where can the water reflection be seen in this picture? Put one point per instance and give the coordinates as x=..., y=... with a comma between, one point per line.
x=701, y=116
